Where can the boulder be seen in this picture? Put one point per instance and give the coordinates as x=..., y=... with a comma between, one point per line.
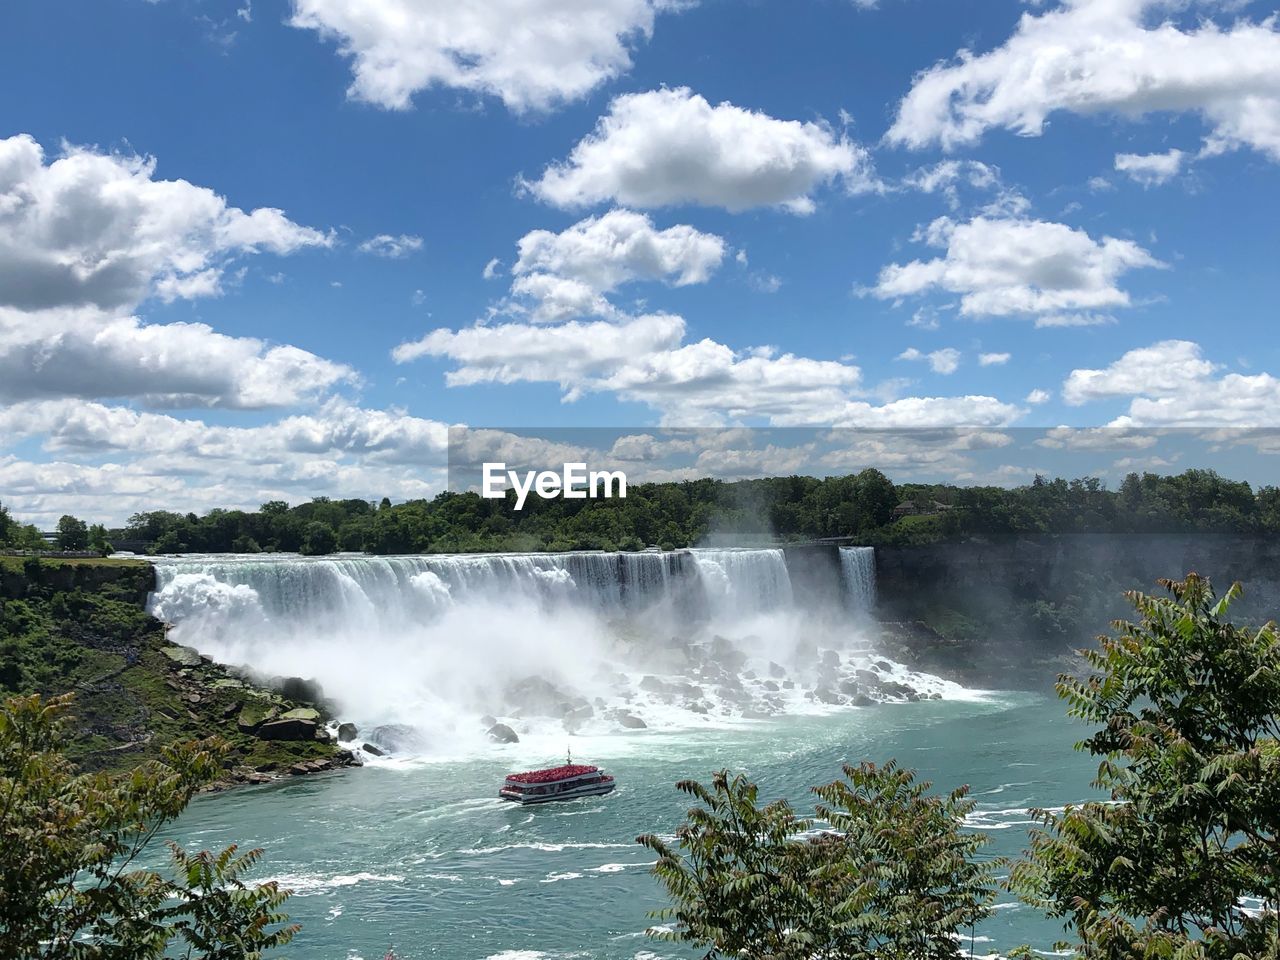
x=398, y=738
x=488, y=721
x=824, y=695
x=293, y=729
x=301, y=713
x=347, y=732
x=501, y=733
x=630, y=721
x=182, y=656
x=536, y=697
x=373, y=751
x=295, y=688
x=776, y=670
x=254, y=715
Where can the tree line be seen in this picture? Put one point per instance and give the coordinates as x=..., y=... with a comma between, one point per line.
x=866, y=506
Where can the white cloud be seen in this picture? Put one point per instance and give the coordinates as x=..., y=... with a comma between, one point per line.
x=992, y=359
x=667, y=147
x=566, y=354
x=567, y=273
x=1096, y=438
x=705, y=383
x=339, y=449
x=94, y=229
x=532, y=54
x=1161, y=369
x=392, y=247
x=1017, y=266
x=1170, y=383
x=944, y=361
x=1037, y=397
x=492, y=269
x=91, y=354
x=1104, y=56
x=1151, y=169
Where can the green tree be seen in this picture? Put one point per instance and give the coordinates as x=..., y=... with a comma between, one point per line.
x=73, y=534
x=7, y=526
x=1185, y=704
x=318, y=539
x=897, y=878
x=69, y=887
x=98, y=539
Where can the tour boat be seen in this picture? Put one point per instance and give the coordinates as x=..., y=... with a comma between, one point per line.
x=556, y=783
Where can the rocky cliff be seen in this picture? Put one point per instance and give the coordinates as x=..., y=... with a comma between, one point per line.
x=81, y=627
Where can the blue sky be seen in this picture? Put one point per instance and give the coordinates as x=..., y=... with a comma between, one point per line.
x=243, y=246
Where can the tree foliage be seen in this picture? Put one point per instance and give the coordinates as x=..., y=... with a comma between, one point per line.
x=70, y=842
x=895, y=878
x=73, y=533
x=1185, y=860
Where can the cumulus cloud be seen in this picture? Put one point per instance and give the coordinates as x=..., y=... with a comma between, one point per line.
x=1038, y=396
x=1007, y=266
x=1150, y=169
x=703, y=383
x=531, y=55
x=944, y=361
x=392, y=247
x=1171, y=383
x=1104, y=56
x=668, y=147
x=95, y=229
x=338, y=450
x=567, y=273
x=993, y=359
x=92, y=354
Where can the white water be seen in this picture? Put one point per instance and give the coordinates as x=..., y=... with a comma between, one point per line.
x=858, y=567
x=677, y=639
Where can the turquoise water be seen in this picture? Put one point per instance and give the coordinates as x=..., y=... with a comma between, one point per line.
x=422, y=856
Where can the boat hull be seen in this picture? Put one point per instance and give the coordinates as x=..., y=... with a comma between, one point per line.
x=572, y=793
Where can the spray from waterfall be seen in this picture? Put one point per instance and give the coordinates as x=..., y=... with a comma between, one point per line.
x=549, y=643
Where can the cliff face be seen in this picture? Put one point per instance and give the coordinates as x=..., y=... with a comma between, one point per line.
x=81, y=627
x=1016, y=607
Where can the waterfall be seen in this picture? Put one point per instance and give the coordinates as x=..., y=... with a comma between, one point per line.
x=858, y=568
x=744, y=581
x=674, y=637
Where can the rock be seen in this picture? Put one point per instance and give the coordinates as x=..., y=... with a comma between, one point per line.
x=788, y=684
x=770, y=685
x=295, y=688
x=883, y=665
x=824, y=695
x=282, y=729
x=935, y=696
x=347, y=732
x=254, y=715
x=850, y=687
x=488, y=721
x=398, y=738
x=696, y=707
x=501, y=733
x=830, y=658
x=227, y=683
x=373, y=751
x=776, y=670
x=630, y=721
x=301, y=713
x=183, y=656
x=862, y=700
x=536, y=697
x=868, y=677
